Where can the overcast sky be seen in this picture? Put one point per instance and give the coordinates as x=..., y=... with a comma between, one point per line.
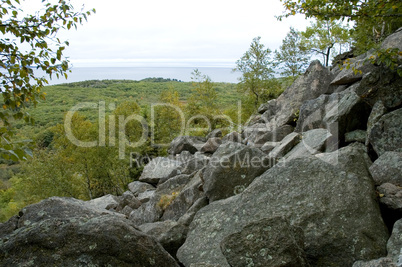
x=182, y=33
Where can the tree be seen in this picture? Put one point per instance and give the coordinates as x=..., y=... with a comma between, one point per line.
x=257, y=70
x=322, y=36
x=293, y=56
x=373, y=19
x=30, y=42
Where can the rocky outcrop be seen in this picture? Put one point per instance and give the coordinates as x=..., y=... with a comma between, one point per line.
x=186, y=143
x=231, y=169
x=339, y=228
x=66, y=232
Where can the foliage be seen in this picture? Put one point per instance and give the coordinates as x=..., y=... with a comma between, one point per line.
x=166, y=200
x=390, y=58
x=373, y=19
x=293, y=56
x=257, y=69
x=30, y=41
x=322, y=36
x=202, y=104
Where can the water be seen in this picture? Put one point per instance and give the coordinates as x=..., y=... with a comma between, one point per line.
x=138, y=73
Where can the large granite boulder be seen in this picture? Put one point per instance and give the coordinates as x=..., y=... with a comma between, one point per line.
x=285, y=145
x=268, y=242
x=231, y=169
x=386, y=134
x=312, y=142
x=159, y=168
x=353, y=73
x=313, y=83
x=339, y=113
x=186, y=143
x=66, y=232
x=334, y=204
x=388, y=168
x=393, y=41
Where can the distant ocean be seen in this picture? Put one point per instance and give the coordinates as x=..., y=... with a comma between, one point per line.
x=138, y=73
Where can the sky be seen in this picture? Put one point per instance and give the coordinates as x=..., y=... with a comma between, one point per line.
x=175, y=33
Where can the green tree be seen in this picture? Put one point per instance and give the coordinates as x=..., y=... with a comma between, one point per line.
x=30, y=41
x=293, y=56
x=257, y=69
x=202, y=102
x=373, y=19
x=323, y=36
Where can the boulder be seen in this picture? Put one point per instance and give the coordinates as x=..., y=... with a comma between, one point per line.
x=285, y=145
x=381, y=84
x=275, y=135
x=393, y=41
x=186, y=143
x=215, y=133
x=190, y=194
x=312, y=143
x=383, y=262
x=159, y=168
x=231, y=169
x=211, y=145
x=196, y=163
x=376, y=113
x=339, y=113
x=335, y=205
x=268, y=242
x=386, y=134
x=354, y=73
x=391, y=198
x=388, y=168
x=103, y=202
x=65, y=232
x=138, y=187
x=356, y=136
x=146, y=196
x=313, y=83
x=270, y=106
x=161, y=198
x=232, y=137
x=269, y=146
x=170, y=234
x=394, y=245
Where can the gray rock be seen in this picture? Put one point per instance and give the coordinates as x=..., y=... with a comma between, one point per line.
x=382, y=262
x=312, y=142
x=394, y=245
x=268, y=108
x=215, y=133
x=186, y=143
x=387, y=168
x=391, y=197
x=161, y=198
x=188, y=217
x=159, y=168
x=138, y=187
x=102, y=203
x=356, y=136
x=275, y=135
x=170, y=234
x=231, y=169
x=354, y=73
x=211, y=145
x=195, y=164
x=339, y=113
x=335, y=205
x=393, y=41
x=381, y=84
x=268, y=242
x=65, y=232
x=386, y=134
x=185, y=199
x=376, y=113
x=128, y=199
x=269, y=146
x=232, y=137
x=146, y=196
x=285, y=145
x=313, y=83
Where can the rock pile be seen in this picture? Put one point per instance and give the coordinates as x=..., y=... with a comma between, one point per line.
x=316, y=180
